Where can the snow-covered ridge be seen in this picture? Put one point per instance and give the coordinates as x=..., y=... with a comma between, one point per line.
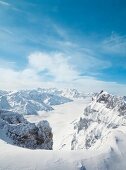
x=105, y=115
x=112, y=102
x=99, y=140
x=20, y=132
x=31, y=101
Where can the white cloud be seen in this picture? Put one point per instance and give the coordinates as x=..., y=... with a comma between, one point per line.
x=25, y=79
x=11, y=80
x=55, y=63
x=65, y=75
x=91, y=84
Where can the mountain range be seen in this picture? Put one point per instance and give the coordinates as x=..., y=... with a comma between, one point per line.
x=29, y=102
x=83, y=131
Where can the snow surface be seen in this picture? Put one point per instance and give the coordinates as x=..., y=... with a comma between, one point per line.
x=100, y=121
x=61, y=120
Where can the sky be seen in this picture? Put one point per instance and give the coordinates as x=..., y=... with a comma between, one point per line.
x=63, y=43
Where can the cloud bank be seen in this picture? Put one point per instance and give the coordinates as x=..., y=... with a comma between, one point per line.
x=52, y=70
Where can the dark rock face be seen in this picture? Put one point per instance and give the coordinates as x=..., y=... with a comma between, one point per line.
x=12, y=117
x=26, y=134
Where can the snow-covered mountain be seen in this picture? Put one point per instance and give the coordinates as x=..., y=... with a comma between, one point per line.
x=18, y=131
x=97, y=138
x=68, y=93
x=103, y=117
x=31, y=101
x=74, y=94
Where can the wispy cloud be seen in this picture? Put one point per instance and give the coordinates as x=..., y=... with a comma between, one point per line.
x=11, y=6
x=5, y=30
x=115, y=44
x=4, y=3
x=79, y=54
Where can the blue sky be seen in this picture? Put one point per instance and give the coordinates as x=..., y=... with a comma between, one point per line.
x=65, y=43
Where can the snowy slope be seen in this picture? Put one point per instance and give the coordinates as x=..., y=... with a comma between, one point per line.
x=110, y=154
x=14, y=158
x=94, y=130
x=74, y=94
x=105, y=115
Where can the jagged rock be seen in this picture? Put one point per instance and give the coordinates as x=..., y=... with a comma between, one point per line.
x=112, y=102
x=25, y=134
x=105, y=113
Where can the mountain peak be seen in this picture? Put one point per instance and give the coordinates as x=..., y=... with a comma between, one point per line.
x=34, y=100
x=105, y=114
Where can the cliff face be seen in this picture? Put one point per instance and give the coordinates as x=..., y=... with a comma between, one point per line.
x=25, y=134
x=105, y=115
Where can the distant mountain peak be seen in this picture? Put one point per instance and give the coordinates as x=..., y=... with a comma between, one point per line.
x=34, y=100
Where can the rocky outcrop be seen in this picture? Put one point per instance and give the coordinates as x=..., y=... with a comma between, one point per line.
x=101, y=117
x=25, y=134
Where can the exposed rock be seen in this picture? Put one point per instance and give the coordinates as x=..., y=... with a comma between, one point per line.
x=25, y=134
x=104, y=114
